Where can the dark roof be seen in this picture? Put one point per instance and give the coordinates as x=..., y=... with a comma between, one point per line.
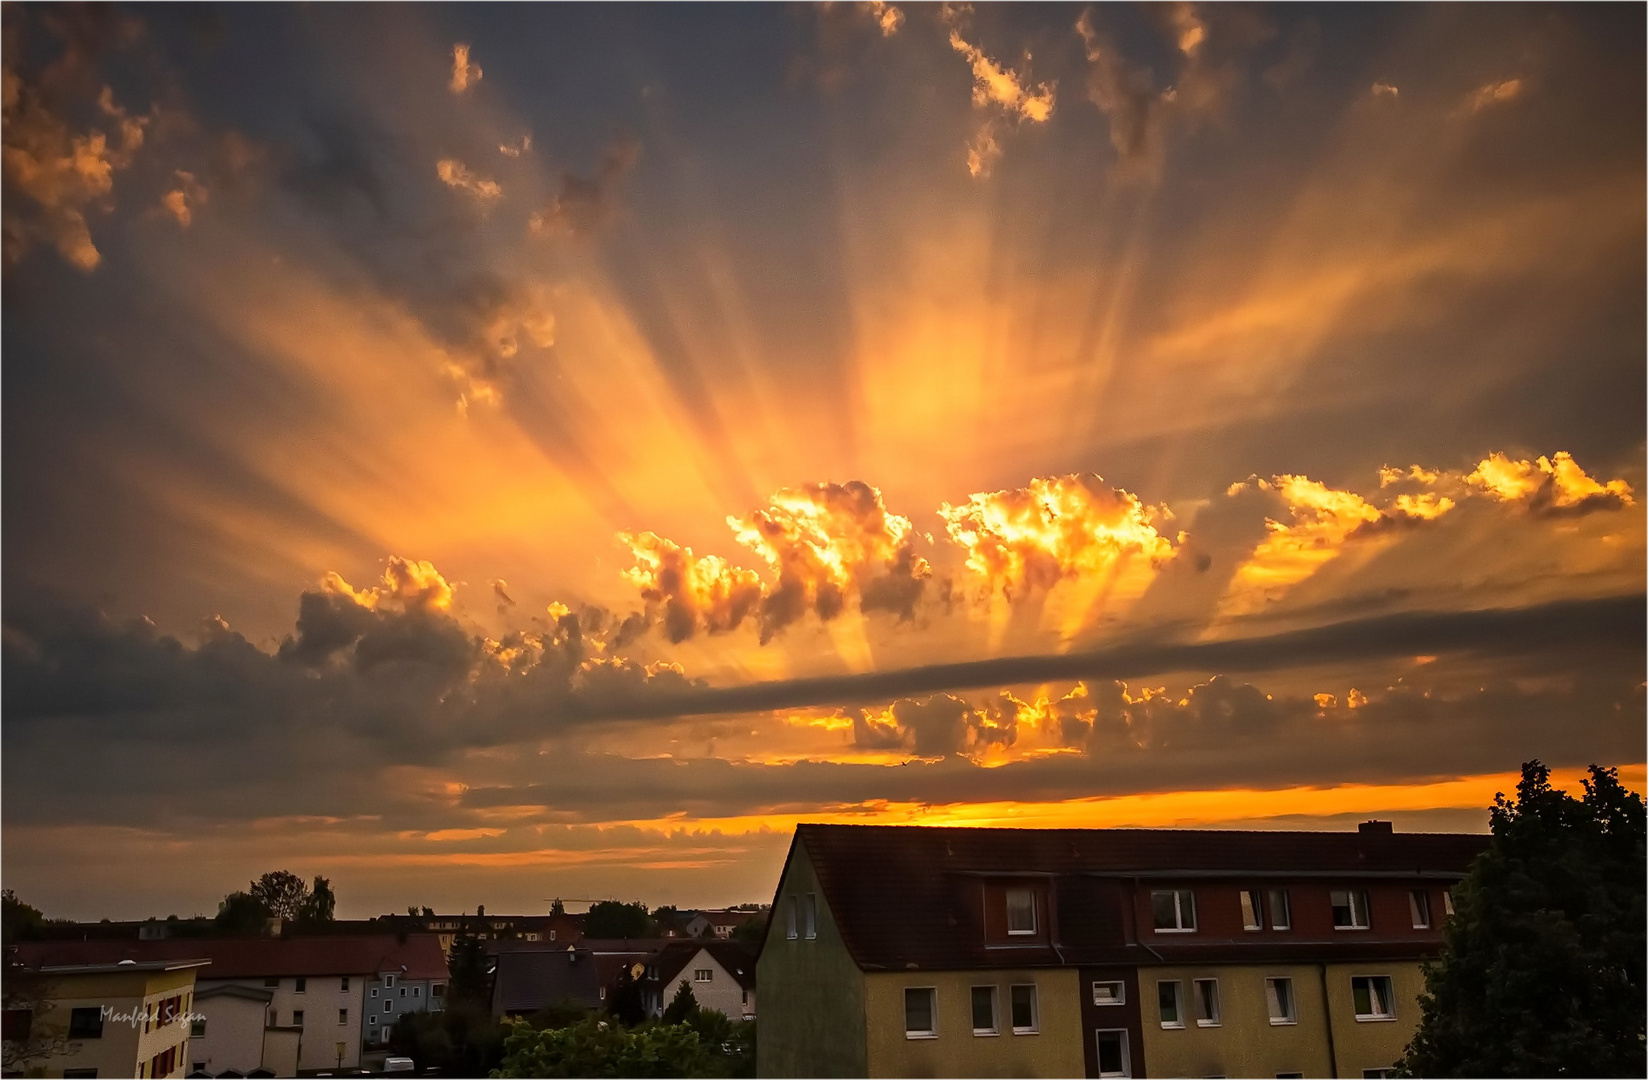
x=896, y=891
x=737, y=957
x=250, y=993
x=527, y=981
x=249, y=958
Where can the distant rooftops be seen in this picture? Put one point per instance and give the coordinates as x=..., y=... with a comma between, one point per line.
x=417, y=957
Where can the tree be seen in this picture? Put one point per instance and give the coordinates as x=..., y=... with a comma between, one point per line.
x=461, y=1041
x=471, y=980
x=18, y=921
x=597, y=1048
x=283, y=894
x=683, y=1006
x=241, y=913
x=614, y=919
x=319, y=905
x=625, y=1003
x=556, y=907
x=25, y=995
x=1542, y=970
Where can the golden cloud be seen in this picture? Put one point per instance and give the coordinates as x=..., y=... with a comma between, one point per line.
x=454, y=174
x=181, y=200
x=994, y=83
x=464, y=73
x=696, y=593
x=1552, y=486
x=406, y=586
x=886, y=15
x=1053, y=528
x=516, y=150
x=1493, y=93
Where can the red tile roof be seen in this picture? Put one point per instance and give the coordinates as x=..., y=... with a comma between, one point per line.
x=250, y=958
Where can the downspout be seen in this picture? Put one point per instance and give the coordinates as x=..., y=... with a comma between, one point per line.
x=1327, y=1015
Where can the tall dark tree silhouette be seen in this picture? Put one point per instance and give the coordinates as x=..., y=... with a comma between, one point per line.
x=1542, y=970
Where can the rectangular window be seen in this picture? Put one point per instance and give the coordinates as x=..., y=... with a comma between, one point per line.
x=984, y=1010
x=438, y=990
x=703, y=974
x=374, y=991
x=1173, y=911
x=417, y=991
x=274, y=983
x=809, y=916
x=920, y=1014
x=1279, y=996
x=1253, y=912
x=1167, y=1002
x=343, y=1016
x=388, y=1006
x=343, y=984
x=197, y=1028
x=790, y=911
x=1207, y=1002
x=302, y=985
x=297, y=1018
x=389, y=980
x=1281, y=916
x=1110, y=993
x=86, y=1023
x=374, y=1021
x=1372, y=997
x=1024, y=1010
x=1350, y=909
x=1021, y=911
x=403, y=991
x=1113, y=1053
x=1419, y=906
x=1447, y=902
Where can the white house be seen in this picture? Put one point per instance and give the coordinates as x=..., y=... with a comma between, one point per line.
x=721, y=974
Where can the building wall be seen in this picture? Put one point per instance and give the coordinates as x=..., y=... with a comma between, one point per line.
x=123, y=1046
x=1245, y=1043
x=1054, y=1050
x=388, y=999
x=722, y=992
x=321, y=998
x=233, y=1038
x=1125, y=1016
x=814, y=1020
x=1373, y=1044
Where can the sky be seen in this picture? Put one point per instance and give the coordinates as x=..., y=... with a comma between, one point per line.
x=485, y=454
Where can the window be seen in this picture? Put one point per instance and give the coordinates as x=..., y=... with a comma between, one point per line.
x=389, y=980
x=297, y=1018
x=343, y=985
x=790, y=917
x=1279, y=996
x=86, y=1023
x=301, y=987
x=1110, y=993
x=1173, y=910
x=809, y=916
x=403, y=991
x=703, y=974
x=1113, y=1053
x=1253, y=913
x=1167, y=1001
x=1447, y=902
x=438, y=990
x=1280, y=914
x=1419, y=906
x=920, y=1019
x=1350, y=909
x=197, y=1028
x=388, y=1006
x=1021, y=911
x=1207, y=1002
x=374, y=991
x=343, y=1016
x=984, y=1011
x=1372, y=997
x=1024, y=1010
x=275, y=983
x=417, y=991
x=374, y=1021
x=80, y=1074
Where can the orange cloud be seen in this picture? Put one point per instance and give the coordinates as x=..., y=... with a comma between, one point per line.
x=181, y=200
x=406, y=586
x=1493, y=93
x=464, y=73
x=517, y=149
x=1053, y=528
x=887, y=16
x=1000, y=86
x=454, y=174
x=697, y=593
x=1385, y=90
x=1551, y=486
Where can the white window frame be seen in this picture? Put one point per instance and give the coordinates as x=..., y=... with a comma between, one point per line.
x=1253, y=909
x=932, y=1013
x=1373, y=998
x=1127, y=1056
x=1034, y=1027
x=374, y=991
x=1290, y=1015
x=995, y=1012
x=1178, y=911
x=809, y=912
x=1357, y=902
x=389, y=980
x=1120, y=997
x=1281, y=910
x=792, y=917
x=1206, y=994
x=1029, y=894
x=703, y=975
x=1447, y=902
x=1419, y=908
x=1178, y=1004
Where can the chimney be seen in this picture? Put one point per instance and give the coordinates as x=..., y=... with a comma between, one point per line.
x=1374, y=828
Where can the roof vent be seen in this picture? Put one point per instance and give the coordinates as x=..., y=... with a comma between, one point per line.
x=1374, y=828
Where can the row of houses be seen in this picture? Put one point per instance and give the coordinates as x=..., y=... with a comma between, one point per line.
x=171, y=1007
x=720, y=974
x=918, y=951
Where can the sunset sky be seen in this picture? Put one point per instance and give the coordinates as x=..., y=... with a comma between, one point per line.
x=483, y=454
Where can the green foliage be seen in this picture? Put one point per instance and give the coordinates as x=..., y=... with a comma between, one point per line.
x=282, y=894
x=563, y=1013
x=460, y=1040
x=753, y=931
x=18, y=921
x=471, y=979
x=625, y=1003
x=1542, y=973
x=319, y=905
x=596, y=1048
x=614, y=919
x=241, y=913
x=683, y=1006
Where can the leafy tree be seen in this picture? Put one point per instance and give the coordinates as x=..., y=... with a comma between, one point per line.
x=562, y=1013
x=283, y=894
x=626, y=1003
x=683, y=1006
x=1542, y=973
x=319, y=905
x=599, y=1049
x=241, y=913
x=428, y=912
x=556, y=907
x=471, y=976
x=18, y=921
x=460, y=1040
x=614, y=919
x=753, y=930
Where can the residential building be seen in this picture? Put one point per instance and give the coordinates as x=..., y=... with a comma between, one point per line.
x=556, y=929
x=407, y=980
x=526, y=980
x=721, y=974
x=910, y=951
x=720, y=924
x=103, y=1018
